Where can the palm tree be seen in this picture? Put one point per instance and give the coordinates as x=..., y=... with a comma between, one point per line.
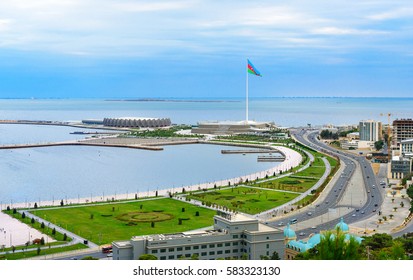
x=334, y=246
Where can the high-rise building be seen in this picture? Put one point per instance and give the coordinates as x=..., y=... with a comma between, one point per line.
x=370, y=130
x=402, y=130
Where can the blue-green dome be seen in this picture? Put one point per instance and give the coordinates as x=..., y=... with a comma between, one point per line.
x=342, y=226
x=289, y=233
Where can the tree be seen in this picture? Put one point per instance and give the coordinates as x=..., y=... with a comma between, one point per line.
x=23, y=215
x=42, y=225
x=54, y=231
x=62, y=203
x=195, y=257
x=147, y=257
x=333, y=246
x=42, y=241
x=378, y=145
x=156, y=193
x=35, y=205
x=8, y=209
x=64, y=236
x=14, y=210
x=152, y=224
x=275, y=256
x=32, y=221
x=38, y=250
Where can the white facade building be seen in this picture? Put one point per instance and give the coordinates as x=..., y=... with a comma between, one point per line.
x=370, y=130
x=232, y=236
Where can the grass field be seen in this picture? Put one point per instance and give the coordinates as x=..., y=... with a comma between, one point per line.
x=244, y=199
x=106, y=223
x=30, y=254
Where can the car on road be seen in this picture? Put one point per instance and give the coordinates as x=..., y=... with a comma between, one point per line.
x=302, y=234
x=293, y=221
x=110, y=255
x=362, y=212
x=309, y=213
x=314, y=227
x=281, y=224
x=353, y=215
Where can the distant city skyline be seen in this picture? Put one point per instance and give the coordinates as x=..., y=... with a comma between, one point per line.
x=195, y=49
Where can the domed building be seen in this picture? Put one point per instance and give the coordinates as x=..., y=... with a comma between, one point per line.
x=289, y=233
x=342, y=226
x=294, y=246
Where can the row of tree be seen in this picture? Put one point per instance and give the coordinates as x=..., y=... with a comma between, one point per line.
x=380, y=246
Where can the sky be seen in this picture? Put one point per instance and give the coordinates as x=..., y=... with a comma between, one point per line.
x=197, y=49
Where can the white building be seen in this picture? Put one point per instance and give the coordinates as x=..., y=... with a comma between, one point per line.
x=406, y=147
x=370, y=130
x=232, y=236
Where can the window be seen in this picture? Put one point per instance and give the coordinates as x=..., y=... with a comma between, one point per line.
x=235, y=236
x=268, y=246
x=235, y=251
x=179, y=249
x=203, y=246
x=268, y=237
x=211, y=245
x=187, y=255
x=171, y=257
x=211, y=253
x=227, y=251
x=219, y=253
x=227, y=244
x=163, y=250
x=179, y=256
x=154, y=251
x=203, y=253
x=171, y=249
x=235, y=243
x=187, y=248
x=163, y=258
x=196, y=247
x=219, y=245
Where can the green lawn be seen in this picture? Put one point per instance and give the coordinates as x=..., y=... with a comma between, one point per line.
x=30, y=254
x=244, y=199
x=106, y=223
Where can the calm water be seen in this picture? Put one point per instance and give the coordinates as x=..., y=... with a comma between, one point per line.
x=58, y=172
x=69, y=172
x=283, y=111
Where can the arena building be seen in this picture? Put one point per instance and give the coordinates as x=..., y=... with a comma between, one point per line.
x=231, y=127
x=233, y=236
x=136, y=122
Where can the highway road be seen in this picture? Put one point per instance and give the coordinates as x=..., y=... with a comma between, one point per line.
x=330, y=202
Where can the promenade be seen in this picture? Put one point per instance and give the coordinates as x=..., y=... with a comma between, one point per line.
x=18, y=233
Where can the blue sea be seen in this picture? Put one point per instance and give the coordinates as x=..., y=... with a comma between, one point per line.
x=55, y=173
x=283, y=111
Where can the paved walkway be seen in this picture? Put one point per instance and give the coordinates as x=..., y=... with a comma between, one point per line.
x=13, y=232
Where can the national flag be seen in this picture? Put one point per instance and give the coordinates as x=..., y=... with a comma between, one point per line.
x=252, y=69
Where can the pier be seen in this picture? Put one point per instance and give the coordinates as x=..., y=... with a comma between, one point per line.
x=75, y=143
x=271, y=158
x=255, y=151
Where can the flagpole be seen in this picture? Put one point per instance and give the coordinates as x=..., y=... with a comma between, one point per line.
x=246, y=105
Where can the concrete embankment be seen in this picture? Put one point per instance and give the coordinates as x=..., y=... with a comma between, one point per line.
x=25, y=146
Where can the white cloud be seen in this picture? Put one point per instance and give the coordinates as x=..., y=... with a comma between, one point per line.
x=141, y=28
x=403, y=12
x=346, y=31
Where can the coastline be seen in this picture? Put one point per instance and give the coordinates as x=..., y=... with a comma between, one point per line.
x=292, y=159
